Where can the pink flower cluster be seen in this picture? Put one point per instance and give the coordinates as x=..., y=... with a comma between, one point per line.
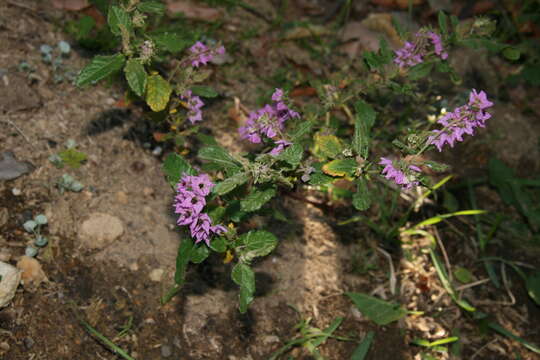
x=194, y=104
x=463, y=120
x=269, y=122
x=413, y=53
x=189, y=203
x=202, y=54
x=401, y=174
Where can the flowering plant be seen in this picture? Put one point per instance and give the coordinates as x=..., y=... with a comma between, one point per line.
x=219, y=191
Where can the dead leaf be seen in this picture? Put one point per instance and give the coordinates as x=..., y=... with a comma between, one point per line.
x=32, y=272
x=70, y=5
x=193, y=11
x=303, y=91
x=301, y=32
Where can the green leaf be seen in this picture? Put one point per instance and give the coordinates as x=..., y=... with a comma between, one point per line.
x=99, y=68
x=230, y=183
x=219, y=244
x=185, y=251
x=257, y=243
x=158, y=92
x=377, y=310
x=443, y=23
x=244, y=277
x=292, y=154
x=218, y=156
x=365, y=119
x=118, y=18
x=199, y=253
x=136, y=76
x=361, y=351
x=174, y=167
x=503, y=331
x=256, y=199
x=511, y=53
x=152, y=7
x=463, y=275
x=171, y=42
x=302, y=129
x=204, y=91
x=531, y=74
x=327, y=146
x=361, y=199
x=84, y=26
x=421, y=70
x=500, y=176
x=533, y=286
x=340, y=167
x=72, y=158
x=436, y=166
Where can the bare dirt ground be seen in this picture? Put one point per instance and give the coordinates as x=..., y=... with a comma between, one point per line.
x=118, y=282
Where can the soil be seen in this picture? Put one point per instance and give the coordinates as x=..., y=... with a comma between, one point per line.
x=116, y=288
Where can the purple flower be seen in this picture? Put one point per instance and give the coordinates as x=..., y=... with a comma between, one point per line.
x=413, y=53
x=269, y=121
x=402, y=174
x=201, y=54
x=189, y=204
x=281, y=145
x=194, y=105
x=463, y=120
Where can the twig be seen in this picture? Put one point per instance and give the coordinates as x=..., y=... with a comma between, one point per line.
x=445, y=255
x=473, y=284
x=506, y=286
x=9, y=122
x=482, y=348
x=392, y=271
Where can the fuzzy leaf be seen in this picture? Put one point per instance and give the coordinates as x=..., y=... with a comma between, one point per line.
x=99, y=68
x=174, y=167
x=230, y=183
x=420, y=71
x=361, y=198
x=118, y=18
x=136, y=76
x=204, y=91
x=292, y=154
x=158, y=92
x=170, y=42
x=256, y=199
x=185, y=251
x=72, y=158
x=365, y=118
x=152, y=7
x=327, y=146
x=218, y=156
x=257, y=243
x=219, y=244
x=199, y=253
x=340, y=167
x=244, y=277
x=377, y=310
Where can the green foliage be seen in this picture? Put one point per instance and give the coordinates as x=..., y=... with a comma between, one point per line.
x=174, y=167
x=256, y=199
x=256, y=243
x=136, y=76
x=99, y=68
x=379, y=311
x=158, y=92
x=244, y=277
x=230, y=183
x=72, y=158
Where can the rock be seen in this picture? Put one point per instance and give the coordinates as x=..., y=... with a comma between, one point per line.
x=32, y=273
x=156, y=275
x=100, y=230
x=11, y=168
x=11, y=278
x=148, y=191
x=5, y=254
x=166, y=351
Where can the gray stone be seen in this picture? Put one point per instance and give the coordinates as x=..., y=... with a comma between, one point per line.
x=100, y=230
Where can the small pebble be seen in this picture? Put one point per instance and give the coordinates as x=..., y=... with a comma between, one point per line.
x=16, y=191
x=28, y=342
x=157, y=151
x=156, y=275
x=166, y=351
x=134, y=266
x=148, y=191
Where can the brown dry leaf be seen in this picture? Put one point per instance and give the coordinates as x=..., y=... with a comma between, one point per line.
x=193, y=11
x=238, y=112
x=303, y=91
x=306, y=32
x=70, y=5
x=32, y=272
